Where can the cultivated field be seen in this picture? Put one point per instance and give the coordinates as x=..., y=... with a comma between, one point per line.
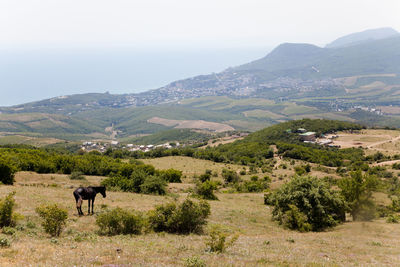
x=261, y=242
x=385, y=141
x=192, y=124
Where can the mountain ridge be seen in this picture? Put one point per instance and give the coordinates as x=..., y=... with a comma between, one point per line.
x=363, y=36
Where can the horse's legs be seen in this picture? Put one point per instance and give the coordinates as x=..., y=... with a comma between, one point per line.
x=92, y=205
x=79, y=206
x=89, y=206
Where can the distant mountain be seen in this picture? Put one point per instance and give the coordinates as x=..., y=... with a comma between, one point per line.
x=306, y=61
x=364, y=36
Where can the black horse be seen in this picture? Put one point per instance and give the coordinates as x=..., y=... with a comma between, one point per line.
x=89, y=193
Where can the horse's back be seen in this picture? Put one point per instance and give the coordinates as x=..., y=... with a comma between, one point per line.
x=83, y=192
x=79, y=192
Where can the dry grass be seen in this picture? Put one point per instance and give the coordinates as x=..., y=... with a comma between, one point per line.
x=261, y=243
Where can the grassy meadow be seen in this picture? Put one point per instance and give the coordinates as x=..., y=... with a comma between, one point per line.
x=261, y=242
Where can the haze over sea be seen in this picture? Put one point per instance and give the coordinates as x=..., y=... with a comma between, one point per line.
x=31, y=75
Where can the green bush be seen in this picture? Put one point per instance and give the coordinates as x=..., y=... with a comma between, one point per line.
x=204, y=177
x=393, y=218
x=194, y=261
x=230, y=176
x=301, y=170
x=187, y=217
x=254, y=185
x=395, y=205
x=53, y=218
x=7, y=216
x=296, y=220
x=119, y=221
x=206, y=189
x=153, y=185
x=217, y=241
x=137, y=181
x=6, y=172
x=307, y=203
x=77, y=176
x=4, y=242
x=357, y=191
x=171, y=175
x=8, y=230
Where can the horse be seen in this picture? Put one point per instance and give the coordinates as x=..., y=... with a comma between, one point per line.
x=89, y=193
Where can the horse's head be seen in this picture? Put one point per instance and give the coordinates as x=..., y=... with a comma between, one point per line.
x=103, y=191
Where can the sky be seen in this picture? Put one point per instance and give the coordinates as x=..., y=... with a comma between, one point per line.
x=44, y=43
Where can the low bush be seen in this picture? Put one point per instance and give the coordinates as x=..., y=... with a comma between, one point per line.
x=393, y=218
x=7, y=215
x=153, y=185
x=206, y=189
x=6, y=172
x=194, y=261
x=187, y=217
x=138, y=181
x=307, y=203
x=254, y=185
x=53, y=217
x=119, y=221
x=230, y=176
x=4, y=242
x=8, y=230
x=76, y=176
x=204, y=177
x=217, y=241
x=171, y=175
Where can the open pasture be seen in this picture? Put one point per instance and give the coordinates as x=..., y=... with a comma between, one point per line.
x=262, y=242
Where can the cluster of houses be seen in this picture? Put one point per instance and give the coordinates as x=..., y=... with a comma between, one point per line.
x=311, y=137
x=102, y=147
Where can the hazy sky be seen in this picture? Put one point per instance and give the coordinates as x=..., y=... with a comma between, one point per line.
x=160, y=23
x=55, y=47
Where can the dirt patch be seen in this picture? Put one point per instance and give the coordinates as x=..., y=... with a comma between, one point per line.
x=192, y=124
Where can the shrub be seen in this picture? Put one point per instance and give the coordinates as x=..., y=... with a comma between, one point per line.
x=7, y=216
x=6, y=172
x=171, y=175
x=119, y=221
x=194, y=261
x=217, y=241
x=307, y=203
x=77, y=176
x=138, y=181
x=153, y=185
x=184, y=218
x=8, y=230
x=54, y=218
x=230, y=176
x=395, y=205
x=205, y=177
x=296, y=220
x=357, y=191
x=254, y=185
x=393, y=218
x=301, y=170
x=206, y=189
x=4, y=242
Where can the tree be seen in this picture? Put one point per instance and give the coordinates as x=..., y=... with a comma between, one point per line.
x=307, y=203
x=357, y=191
